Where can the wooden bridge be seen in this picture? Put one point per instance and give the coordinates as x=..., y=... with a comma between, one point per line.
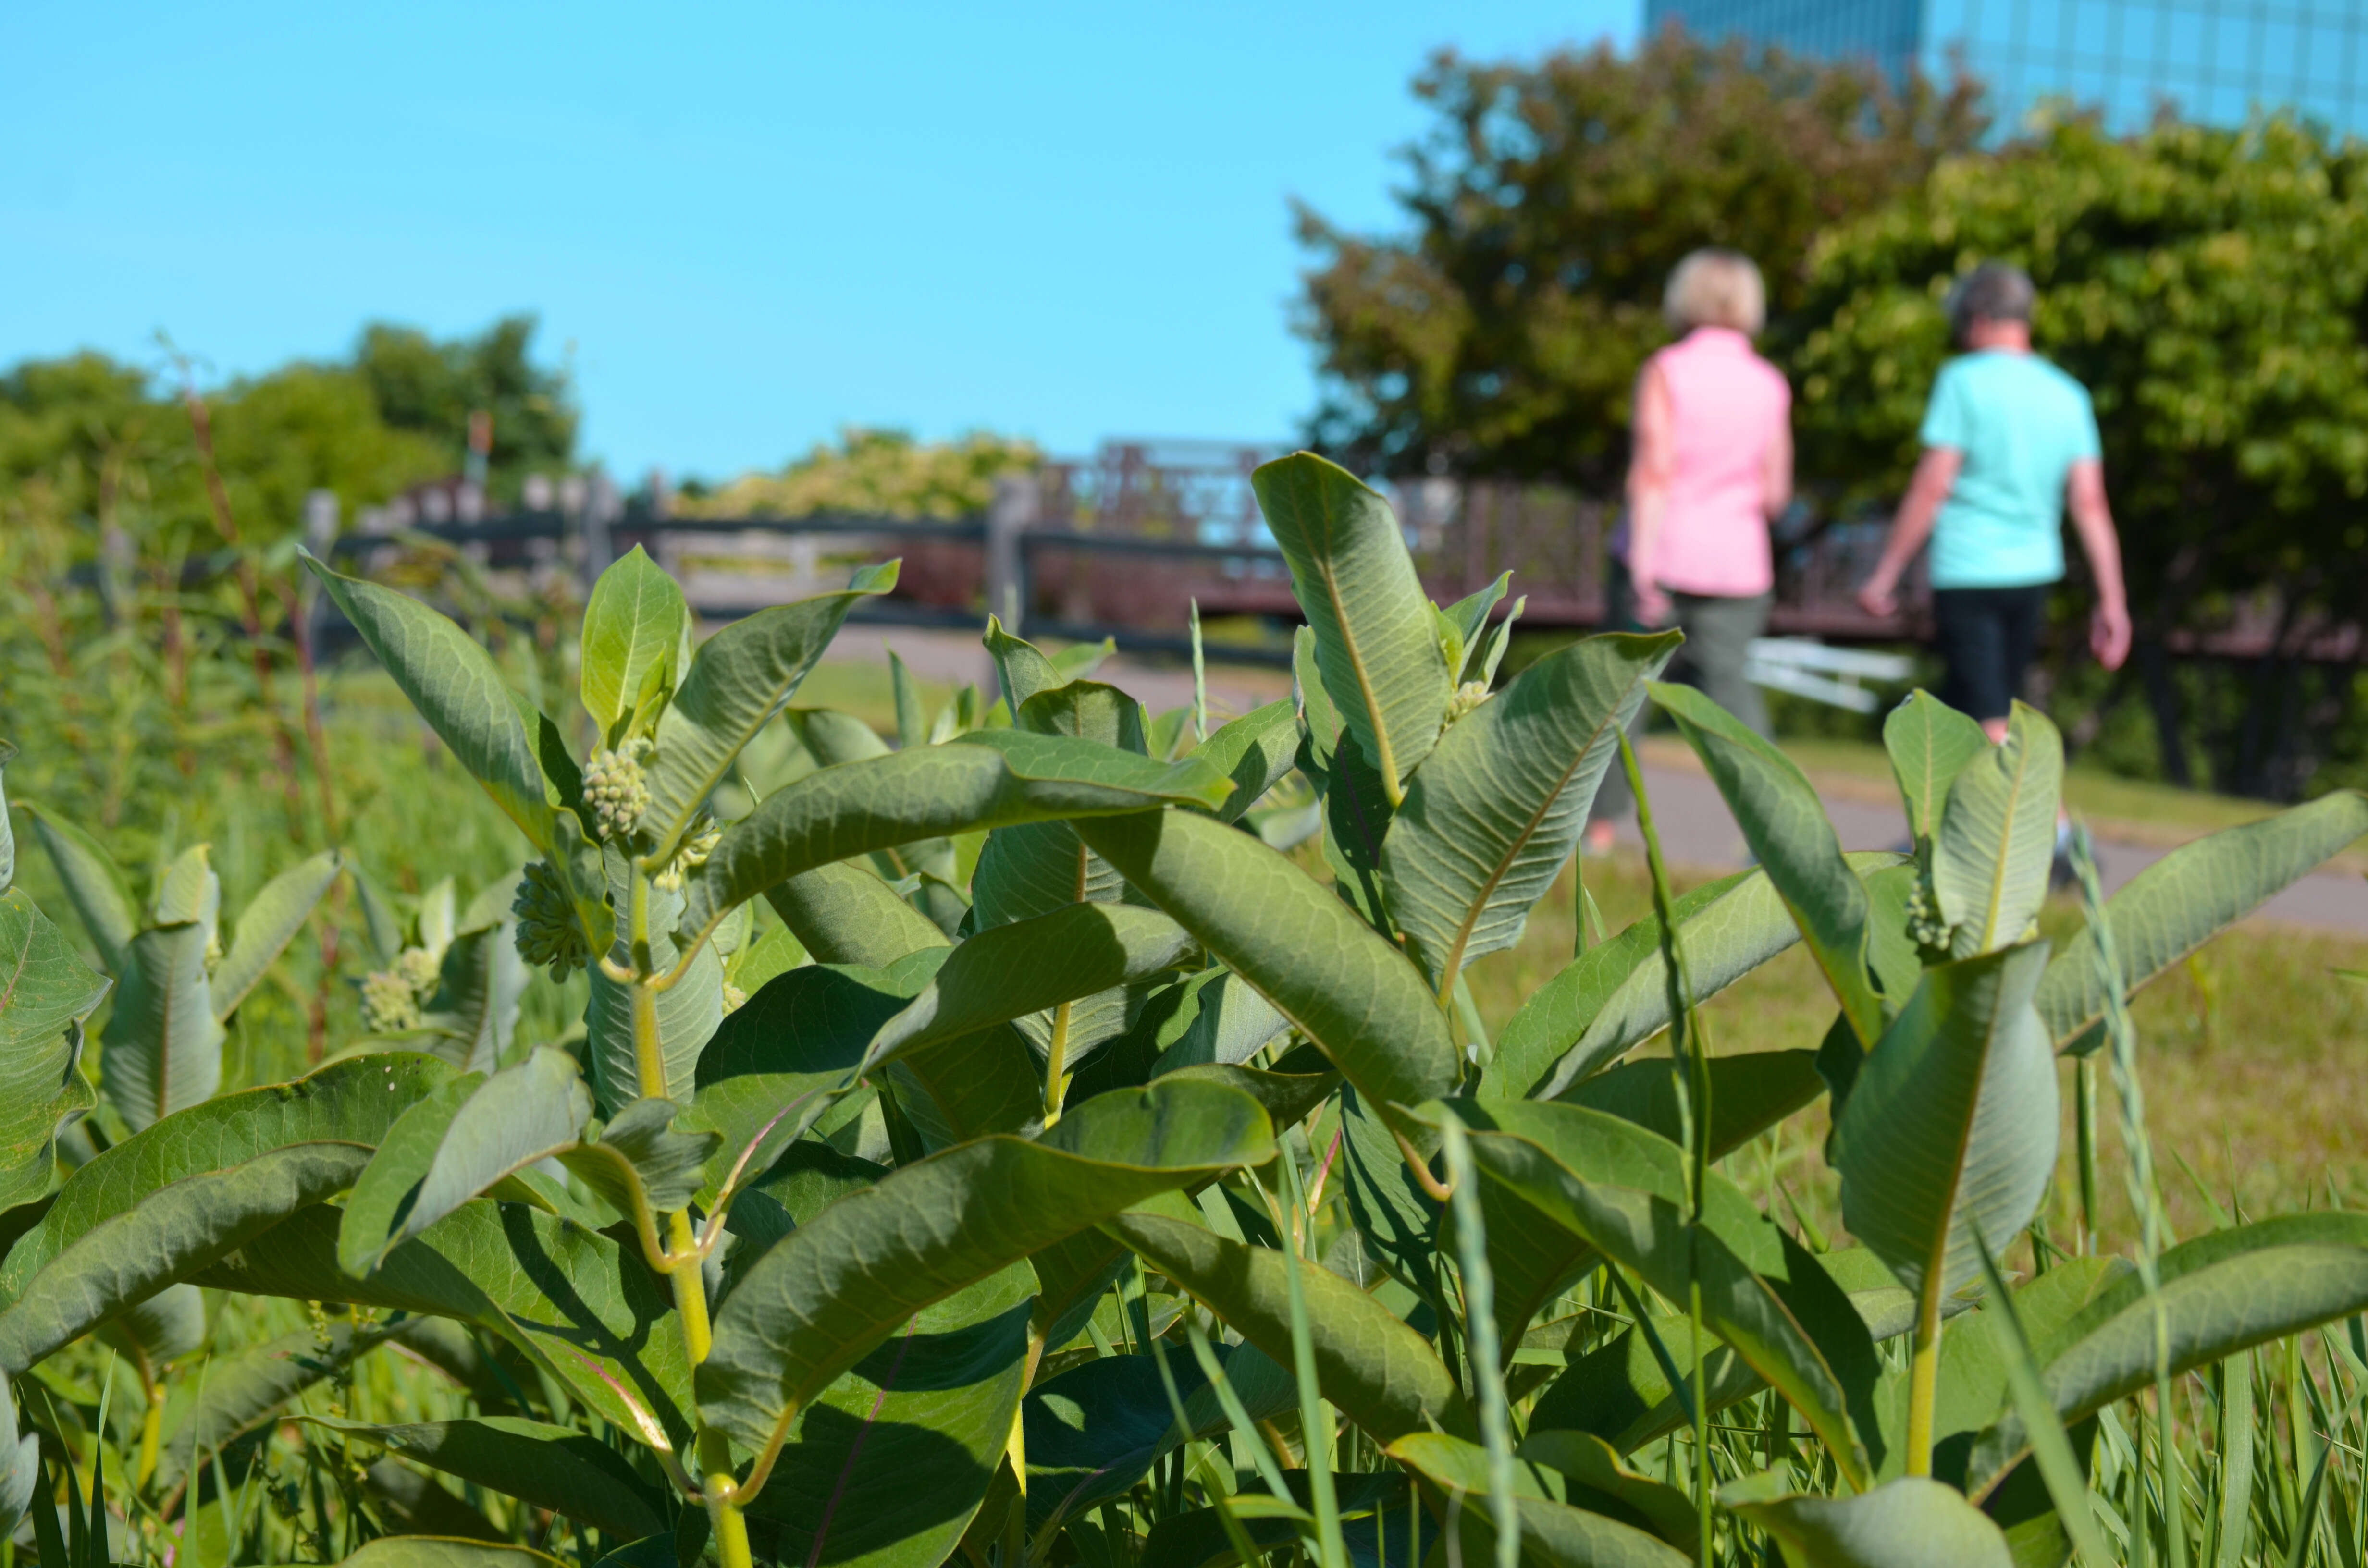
x=1123, y=544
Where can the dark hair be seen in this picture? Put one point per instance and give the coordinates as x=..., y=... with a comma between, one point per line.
x=1996, y=291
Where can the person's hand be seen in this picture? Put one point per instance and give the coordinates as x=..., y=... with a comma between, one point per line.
x=2109, y=635
x=1879, y=596
x=1653, y=607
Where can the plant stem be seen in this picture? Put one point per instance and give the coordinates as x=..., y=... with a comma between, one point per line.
x=1057, y=1065
x=2084, y=1120
x=713, y=1456
x=1923, y=1379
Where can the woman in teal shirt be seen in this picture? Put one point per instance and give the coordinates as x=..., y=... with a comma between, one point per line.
x=2010, y=441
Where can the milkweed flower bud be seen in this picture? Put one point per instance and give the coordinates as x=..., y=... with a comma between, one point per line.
x=389, y=1004
x=697, y=846
x=616, y=789
x=548, y=932
x=1468, y=696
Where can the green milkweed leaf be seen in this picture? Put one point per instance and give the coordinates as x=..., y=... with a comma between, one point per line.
x=162, y=1046
x=843, y=914
x=267, y=924
x=826, y=1294
x=1094, y=1430
x=735, y=684
x=640, y=1163
x=1998, y=837
x=780, y=1061
x=1785, y=825
x=2190, y=895
x=1913, y=1519
x=993, y=778
x=1469, y=617
x=1376, y=643
x=1255, y=751
x=450, y=1148
x=1024, y=669
x=2223, y=1292
x=1952, y=1123
x=1381, y=1374
x=176, y=1198
x=1328, y=973
x=1929, y=742
x=453, y=683
x=551, y=1467
x=1750, y=1091
x=190, y=891
x=46, y=991
x=582, y=1305
x=95, y=884
x=633, y=624
x=1012, y=971
x=446, y=1552
x=1496, y=808
x=1616, y=993
x=1769, y=1300
x=1554, y=1534
x=888, y=1466
x=479, y=987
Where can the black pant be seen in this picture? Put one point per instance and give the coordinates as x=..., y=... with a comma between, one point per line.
x=1987, y=636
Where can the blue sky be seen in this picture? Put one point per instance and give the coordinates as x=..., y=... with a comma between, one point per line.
x=747, y=224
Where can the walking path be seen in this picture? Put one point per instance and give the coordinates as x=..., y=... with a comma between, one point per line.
x=1696, y=829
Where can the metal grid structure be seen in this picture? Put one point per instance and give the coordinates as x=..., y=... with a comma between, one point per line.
x=2216, y=61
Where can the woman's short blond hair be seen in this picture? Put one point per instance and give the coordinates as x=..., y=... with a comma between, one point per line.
x=1715, y=287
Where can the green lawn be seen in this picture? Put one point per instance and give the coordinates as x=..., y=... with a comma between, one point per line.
x=2238, y=1050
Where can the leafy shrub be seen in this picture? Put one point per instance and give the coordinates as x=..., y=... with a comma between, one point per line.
x=991, y=1146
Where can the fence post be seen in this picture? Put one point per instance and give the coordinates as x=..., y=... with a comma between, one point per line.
x=601, y=509
x=1015, y=499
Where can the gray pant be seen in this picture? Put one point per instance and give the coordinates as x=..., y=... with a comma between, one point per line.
x=1718, y=640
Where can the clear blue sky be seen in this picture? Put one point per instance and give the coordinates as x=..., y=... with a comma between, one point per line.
x=747, y=224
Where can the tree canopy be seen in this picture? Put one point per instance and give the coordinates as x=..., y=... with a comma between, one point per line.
x=2210, y=287
x=85, y=439
x=1501, y=334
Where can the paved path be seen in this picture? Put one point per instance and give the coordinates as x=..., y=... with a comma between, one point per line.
x=1696, y=829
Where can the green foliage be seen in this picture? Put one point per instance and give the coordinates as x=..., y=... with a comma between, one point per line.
x=2207, y=286
x=876, y=473
x=1547, y=205
x=985, y=1145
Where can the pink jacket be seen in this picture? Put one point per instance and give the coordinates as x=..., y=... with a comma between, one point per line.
x=1726, y=406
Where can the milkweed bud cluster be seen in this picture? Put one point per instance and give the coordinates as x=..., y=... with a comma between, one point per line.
x=548, y=932
x=1925, y=927
x=1468, y=696
x=616, y=789
x=698, y=844
x=391, y=998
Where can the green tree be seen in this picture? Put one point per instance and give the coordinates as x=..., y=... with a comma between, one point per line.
x=432, y=386
x=1548, y=203
x=2207, y=286
x=883, y=472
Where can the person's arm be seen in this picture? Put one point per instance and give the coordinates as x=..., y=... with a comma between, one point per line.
x=1776, y=474
x=1649, y=462
x=2092, y=520
x=1910, y=526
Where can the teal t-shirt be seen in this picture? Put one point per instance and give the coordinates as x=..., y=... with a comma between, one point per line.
x=2021, y=423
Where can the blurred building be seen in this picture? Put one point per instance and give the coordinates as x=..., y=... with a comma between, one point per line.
x=2218, y=61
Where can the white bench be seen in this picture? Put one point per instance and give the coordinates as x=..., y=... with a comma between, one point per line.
x=1822, y=674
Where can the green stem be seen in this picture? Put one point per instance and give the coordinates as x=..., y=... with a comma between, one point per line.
x=2084, y=1096
x=713, y=1456
x=1690, y=1069
x=1057, y=1065
x=1924, y=1378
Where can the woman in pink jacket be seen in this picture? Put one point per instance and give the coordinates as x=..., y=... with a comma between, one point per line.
x=1711, y=465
